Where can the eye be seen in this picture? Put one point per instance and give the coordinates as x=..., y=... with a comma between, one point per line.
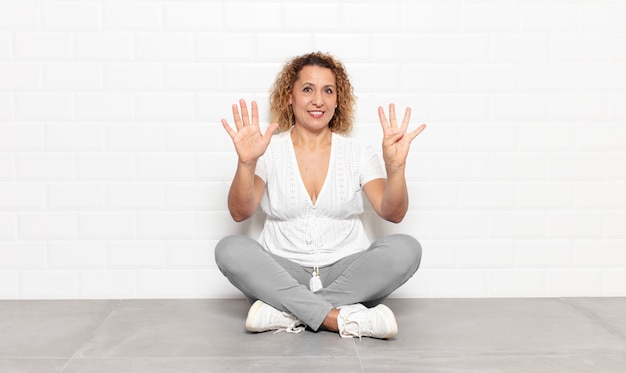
x=307, y=89
x=329, y=91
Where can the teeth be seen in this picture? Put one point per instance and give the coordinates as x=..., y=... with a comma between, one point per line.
x=317, y=112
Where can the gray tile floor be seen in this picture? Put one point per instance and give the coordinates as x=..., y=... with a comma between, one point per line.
x=436, y=335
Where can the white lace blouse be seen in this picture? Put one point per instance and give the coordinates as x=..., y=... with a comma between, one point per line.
x=329, y=230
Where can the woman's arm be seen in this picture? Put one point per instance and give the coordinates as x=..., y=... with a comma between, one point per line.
x=389, y=197
x=246, y=189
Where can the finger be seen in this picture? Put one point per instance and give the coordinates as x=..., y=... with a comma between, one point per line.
x=392, y=115
x=228, y=129
x=244, y=112
x=255, y=114
x=406, y=119
x=383, y=119
x=414, y=134
x=237, y=117
x=270, y=131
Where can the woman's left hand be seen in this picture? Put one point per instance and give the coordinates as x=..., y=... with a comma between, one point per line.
x=396, y=139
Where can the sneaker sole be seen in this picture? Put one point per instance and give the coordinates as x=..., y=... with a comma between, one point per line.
x=251, y=313
x=391, y=317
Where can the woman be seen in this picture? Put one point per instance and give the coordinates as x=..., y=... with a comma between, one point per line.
x=313, y=265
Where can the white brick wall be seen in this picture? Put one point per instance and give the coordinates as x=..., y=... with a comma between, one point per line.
x=114, y=168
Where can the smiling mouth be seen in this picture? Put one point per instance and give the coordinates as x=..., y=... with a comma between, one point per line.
x=316, y=113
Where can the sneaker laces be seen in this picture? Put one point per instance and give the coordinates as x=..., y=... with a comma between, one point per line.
x=294, y=327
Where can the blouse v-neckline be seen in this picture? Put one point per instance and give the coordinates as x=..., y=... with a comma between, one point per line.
x=294, y=159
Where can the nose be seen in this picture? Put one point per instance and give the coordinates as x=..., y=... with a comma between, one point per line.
x=317, y=99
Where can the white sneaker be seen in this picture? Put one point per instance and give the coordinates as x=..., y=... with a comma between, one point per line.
x=356, y=320
x=262, y=317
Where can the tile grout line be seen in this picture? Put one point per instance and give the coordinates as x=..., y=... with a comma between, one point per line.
x=117, y=303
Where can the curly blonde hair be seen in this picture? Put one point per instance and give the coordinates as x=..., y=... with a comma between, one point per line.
x=282, y=113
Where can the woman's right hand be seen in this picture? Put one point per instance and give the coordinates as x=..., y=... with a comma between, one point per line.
x=249, y=142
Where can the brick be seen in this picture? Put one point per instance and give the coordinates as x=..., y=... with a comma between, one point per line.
x=614, y=280
x=576, y=166
x=7, y=166
x=45, y=284
x=106, y=166
x=73, y=76
x=178, y=166
x=601, y=17
x=574, y=224
x=486, y=254
x=616, y=47
x=7, y=107
x=164, y=46
x=45, y=166
x=20, y=76
x=617, y=109
x=600, y=195
x=164, y=107
x=86, y=255
x=40, y=45
x=546, y=136
x=192, y=16
x=375, y=77
x=101, y=46
x=467, y=166
x=21, y=137
x=131, y=15
x=599, y=253
x=107, y=284
x=393, y=48
x=203, y=77
x=135, y=137
x=520, y=107
x=467, y=107
x=544, y=195
x=9, y=284
x=191, y=254
x=516, y=283
x=455, y=47
x=431, y=16
x=353, y=46
x=133, y=76
x=457, y=282
x=602, y=77
x=450, y=224
x=547, y=77
x=247, y=77
x=487, y=137
x=70, y=16
x=215, y=166
x=166, y=284
x=214, y=225
x=486, y=196
x=549, y=16
x=522, y=166
x=211, y=283
x=219, y=46
x=22, y=196
x=370, y=16
x=490, y=17
x=105, y=106
x=543, y=253
x=107, y=225
x=278, y=47
x=44, y=106
x=432, y=195
x=517, y=224
x=22, y=255
x=169, y=225
x=298, y=16
x=578, y=47
x=8, y=225
x=615, y=221
x=20, y=15
x=569, y=282
x=245, y=16
x=136, y=254
x=133, y=195
x=600, y=137
x=196, y=196
x=197, y=137
x=47, y=225
x=74, y=137
x=75, y=196
x=431, y=78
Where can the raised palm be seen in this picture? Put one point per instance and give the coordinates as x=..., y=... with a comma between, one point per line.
x=396, y=139
x=249, y=142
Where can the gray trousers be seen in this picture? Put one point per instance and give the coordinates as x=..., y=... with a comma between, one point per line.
x=367, y=277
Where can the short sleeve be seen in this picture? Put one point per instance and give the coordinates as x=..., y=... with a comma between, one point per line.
x=371, y=165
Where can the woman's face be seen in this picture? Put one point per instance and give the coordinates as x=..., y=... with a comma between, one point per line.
x=314, y=97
